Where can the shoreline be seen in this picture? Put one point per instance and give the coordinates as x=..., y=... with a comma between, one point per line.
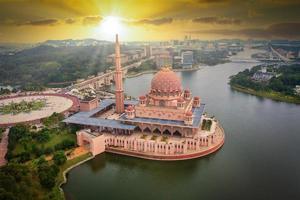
x=63, y=174
x=276, y=96
x=153, y=71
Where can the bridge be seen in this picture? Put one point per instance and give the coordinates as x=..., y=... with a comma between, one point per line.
x=281, y=57
x=105, y=78
x=245, y=60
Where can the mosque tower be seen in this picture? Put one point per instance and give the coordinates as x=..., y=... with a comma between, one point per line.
x=119, y=92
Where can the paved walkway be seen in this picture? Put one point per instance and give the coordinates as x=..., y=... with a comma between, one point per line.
x=3, y=147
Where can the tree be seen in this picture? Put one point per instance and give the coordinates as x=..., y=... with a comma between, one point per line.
x=43, y=136
x=15, y=182
x=47, y=174
x=65, y=144
x=47, y=180
x=24, y=157
x=59, y=158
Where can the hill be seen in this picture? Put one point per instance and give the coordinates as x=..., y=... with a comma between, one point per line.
x=46, y=64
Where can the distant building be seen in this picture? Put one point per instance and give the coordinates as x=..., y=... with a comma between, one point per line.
x=155, y=51
x=127, y=56
x=111, y=58
x=177, y=60
x=263, y=75
x=147, y=51
x=187, y=59
x=264, y=70
x=297, y=90
x=222, y=46
x=260, y=76
x=210, y=47
x=290, y=55
x=163, y=60
x=234, y=48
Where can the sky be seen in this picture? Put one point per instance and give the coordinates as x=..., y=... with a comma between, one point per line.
x=29, y=21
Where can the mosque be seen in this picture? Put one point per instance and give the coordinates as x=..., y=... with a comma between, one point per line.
x=168, y=123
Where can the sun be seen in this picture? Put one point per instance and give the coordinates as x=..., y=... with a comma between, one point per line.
x=112, y=24
x=109, y=27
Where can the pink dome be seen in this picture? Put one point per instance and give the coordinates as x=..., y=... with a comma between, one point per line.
x=166, y=81
x=181, y=100
x=130, y=108
x=189, y=113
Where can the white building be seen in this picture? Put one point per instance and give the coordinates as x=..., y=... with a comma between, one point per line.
x=187, y=59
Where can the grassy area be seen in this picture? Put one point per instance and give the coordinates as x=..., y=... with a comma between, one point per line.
x=54, y=140
x=23, y=106
x=206, y=124
x=268, y=94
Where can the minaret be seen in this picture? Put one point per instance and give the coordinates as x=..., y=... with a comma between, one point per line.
x=119, y=92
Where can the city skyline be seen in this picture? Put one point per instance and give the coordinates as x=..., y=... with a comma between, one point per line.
x=38, y=21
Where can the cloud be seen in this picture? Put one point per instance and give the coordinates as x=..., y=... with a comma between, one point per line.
x=70, y=21
x=157, y=22
x=212, y=1
x=279, y=30
x=42, y=22
x=254, y=13
x=285, y=29
x=217, y=20
x=91, y=20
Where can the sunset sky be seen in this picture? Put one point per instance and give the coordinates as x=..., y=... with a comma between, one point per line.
x=29, y=21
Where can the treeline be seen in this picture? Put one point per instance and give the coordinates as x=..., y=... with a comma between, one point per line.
x=145, y=66
x=289, y=77
x=36, y=67
x=17, y=182
x=34, y=181
x=35, y=143
x=211, y=58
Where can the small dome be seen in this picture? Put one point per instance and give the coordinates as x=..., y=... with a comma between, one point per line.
x=129, y=108
x=181, y=100
x=189, y=113
x=166, y=81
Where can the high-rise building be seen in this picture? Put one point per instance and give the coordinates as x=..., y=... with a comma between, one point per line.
x=147, y=51
x=187, y=59
x=163, y=60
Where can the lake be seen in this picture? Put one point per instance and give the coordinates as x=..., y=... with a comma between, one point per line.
x=260, y=158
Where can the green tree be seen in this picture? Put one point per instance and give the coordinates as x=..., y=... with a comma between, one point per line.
x=59, y=158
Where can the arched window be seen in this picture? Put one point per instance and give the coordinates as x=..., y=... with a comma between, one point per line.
x=138, y=129
x=147, y=129
x=157, y=131
x=177, y=133
x=167, y=132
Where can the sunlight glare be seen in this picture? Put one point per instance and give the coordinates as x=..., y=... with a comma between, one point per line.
x=110, y=26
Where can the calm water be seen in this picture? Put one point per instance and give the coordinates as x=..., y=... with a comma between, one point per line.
x=260, y=158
